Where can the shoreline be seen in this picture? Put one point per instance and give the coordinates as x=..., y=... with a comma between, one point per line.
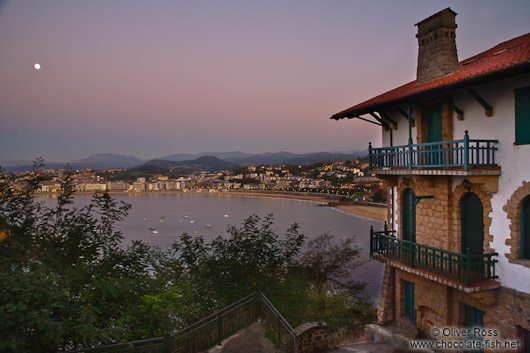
x=373, y=212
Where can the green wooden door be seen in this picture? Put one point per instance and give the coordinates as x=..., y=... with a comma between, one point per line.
x=522, y=116
x=472, y=224
x=474, y=318
x=409, y=215
x=434, y=133
x=410, y=308
x=525, y=230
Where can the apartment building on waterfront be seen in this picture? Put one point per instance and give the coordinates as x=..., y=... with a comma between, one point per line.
x=456, y=159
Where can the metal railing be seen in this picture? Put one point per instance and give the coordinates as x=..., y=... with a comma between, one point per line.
x=211, y=330
x=466, y=268
x=464, y=153
x=283, y=333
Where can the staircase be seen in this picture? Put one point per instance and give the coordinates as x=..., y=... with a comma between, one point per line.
x=212, y=330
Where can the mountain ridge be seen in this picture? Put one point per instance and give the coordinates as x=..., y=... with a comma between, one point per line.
x=112, y=160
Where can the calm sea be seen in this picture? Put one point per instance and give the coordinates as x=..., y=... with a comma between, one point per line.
x=210, y=215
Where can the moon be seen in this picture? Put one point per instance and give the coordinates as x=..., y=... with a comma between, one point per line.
x=36, y=66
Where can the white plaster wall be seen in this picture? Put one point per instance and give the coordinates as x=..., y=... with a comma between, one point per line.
x=401, y=135
x=514, y=161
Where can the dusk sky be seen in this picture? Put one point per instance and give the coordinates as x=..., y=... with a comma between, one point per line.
x=153, y=78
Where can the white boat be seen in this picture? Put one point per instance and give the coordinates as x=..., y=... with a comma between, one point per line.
x=226, y=216
x=208, y=226
x=154, y=231
x=192, y=221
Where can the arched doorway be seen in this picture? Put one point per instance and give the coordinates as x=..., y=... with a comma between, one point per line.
x=472, y=221
x=408, y=219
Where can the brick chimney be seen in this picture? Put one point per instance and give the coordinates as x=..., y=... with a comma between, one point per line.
x=437, y=56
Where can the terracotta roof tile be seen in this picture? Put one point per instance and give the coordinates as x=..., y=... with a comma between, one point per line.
x=504, y=56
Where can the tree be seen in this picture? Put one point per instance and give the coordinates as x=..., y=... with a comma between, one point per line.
x=329, y=267
x=66, y=279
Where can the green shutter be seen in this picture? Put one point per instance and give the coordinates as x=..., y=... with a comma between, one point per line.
x=434, y=123
x=409, y=215
x=410, y=308
x=522, y=116
x=434, y=133
x=472, y=222
x=525, y=230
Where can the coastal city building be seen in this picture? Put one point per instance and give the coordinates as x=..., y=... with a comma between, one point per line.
x=456, y=159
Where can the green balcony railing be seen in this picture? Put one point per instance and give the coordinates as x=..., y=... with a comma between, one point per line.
x=466, y=268
x=463, y=153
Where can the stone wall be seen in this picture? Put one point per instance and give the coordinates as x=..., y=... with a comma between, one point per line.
x=312, y=338
x=437, y=55
x=437, y=305
x=438, y=219
x=385, y=311
x=513, y=212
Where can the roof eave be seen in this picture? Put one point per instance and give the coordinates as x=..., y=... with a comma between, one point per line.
x=514, y=70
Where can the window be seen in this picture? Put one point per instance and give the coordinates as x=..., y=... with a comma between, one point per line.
x=525, y=229
x=522, y=116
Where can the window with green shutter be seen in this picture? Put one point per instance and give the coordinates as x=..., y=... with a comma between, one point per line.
x=522, y=116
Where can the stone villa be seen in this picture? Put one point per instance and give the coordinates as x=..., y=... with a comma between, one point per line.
x=456, y=159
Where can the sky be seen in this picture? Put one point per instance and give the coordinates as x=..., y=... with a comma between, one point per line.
x=153, y=78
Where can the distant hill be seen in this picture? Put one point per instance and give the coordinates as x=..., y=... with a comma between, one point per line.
x=191, y=162
x=205, y=163
x=96, y=161
x=106, y=161
x=226, y=156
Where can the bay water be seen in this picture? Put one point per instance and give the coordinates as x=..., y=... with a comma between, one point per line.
x=210, y=215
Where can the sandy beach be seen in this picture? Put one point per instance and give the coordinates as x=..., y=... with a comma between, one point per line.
x=372, y=212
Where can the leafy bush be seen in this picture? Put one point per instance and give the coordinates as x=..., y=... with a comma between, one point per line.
x=68, y=281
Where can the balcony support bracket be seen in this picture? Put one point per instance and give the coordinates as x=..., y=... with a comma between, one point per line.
x=384, y=123
x=386, y=117
x=488, y=109
x=459, y=112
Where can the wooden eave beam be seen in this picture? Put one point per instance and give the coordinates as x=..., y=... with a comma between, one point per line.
x=488, y=110
x=383, y=123
x=386, y=117
x=459, y=112
x=370, y=121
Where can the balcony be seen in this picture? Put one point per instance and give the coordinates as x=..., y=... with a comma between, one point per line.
x=458, y=157
x=466, y=272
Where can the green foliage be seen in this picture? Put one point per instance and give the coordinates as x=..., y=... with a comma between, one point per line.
x=67, y=281
x=324, y=289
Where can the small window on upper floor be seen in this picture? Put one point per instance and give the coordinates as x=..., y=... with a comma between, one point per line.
x=522, y=116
